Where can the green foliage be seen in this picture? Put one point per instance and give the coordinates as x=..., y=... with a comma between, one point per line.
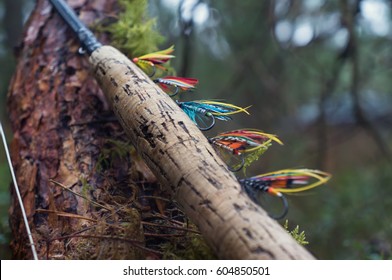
x=355, y=213
x=86, y=187
x=254, y=156
x=134, y=32
x=113, y=149
x=190, y=247
x=4, y=205
x=244, y=160
x=298, y=236
x=5, y=184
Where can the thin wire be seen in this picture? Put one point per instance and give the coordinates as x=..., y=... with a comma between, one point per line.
x=35, y=256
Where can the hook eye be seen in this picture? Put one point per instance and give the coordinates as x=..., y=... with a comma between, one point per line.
x=81, y=51
x=174, y=93
x=233, y=169
x=153, y=71
x=285, y=208
x=210, y=116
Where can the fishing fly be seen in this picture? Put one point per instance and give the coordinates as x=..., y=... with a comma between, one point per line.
x=283, y=181
x=204, y=112
x=149, y=62
x=240, y=148
x=172, y=85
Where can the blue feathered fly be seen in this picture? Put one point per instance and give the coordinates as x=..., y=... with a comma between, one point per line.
x=204, y=112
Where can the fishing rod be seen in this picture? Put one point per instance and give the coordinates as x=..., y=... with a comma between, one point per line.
x=20, y=200
x=181, y=157
x=87, y=39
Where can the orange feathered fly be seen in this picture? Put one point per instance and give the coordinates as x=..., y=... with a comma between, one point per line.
x=283, y=181
x=241, y=147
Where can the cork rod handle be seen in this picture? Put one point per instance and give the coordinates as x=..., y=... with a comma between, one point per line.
x=185, y=164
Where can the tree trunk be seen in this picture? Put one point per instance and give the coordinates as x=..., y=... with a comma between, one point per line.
x=60, y=119
x=61, y=124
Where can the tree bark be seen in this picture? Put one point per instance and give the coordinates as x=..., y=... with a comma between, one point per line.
x=55, y=110
x=61, y=123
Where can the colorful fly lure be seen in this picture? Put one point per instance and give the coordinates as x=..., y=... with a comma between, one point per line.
x=243, y=146
x=204, y=112
x=171, y=85
x=149, y=62
x=283, y=181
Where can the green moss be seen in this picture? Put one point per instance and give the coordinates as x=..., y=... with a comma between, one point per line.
x=113, y=149
x=299, y=236
x=254, y=156
x=86, y=187
x=189, y=247
x=134, y=33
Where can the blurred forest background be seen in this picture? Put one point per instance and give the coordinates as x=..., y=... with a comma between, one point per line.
x=317, y=73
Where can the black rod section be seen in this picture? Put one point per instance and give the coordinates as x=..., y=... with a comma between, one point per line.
x=87, y=39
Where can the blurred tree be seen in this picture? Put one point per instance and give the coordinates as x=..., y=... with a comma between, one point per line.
x=11, y=21
x=317, y=74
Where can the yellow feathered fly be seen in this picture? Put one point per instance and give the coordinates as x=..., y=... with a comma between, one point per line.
x=149, y=62
x=283, y=181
